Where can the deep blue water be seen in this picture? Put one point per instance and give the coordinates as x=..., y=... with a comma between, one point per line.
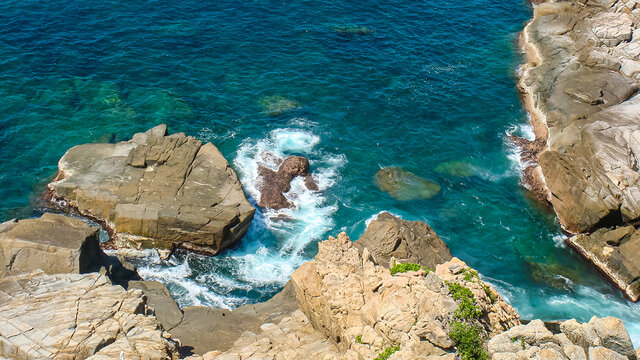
x=396, y=83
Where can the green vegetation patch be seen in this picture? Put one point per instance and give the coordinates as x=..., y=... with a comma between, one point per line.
x=487, y=290
x=470, y=275
x=359, y=339
x=467, y=339
x=386, y=353
x=402, y=268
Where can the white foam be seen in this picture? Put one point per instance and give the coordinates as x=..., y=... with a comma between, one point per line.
x=558, y=241
x=276, y=241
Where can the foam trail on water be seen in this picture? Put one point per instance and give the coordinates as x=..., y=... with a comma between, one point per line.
x=275, y=244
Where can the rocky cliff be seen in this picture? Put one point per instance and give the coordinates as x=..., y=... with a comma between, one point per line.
x=579, y=85
x=156, y=191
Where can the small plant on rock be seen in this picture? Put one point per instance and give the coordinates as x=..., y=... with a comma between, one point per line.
x=468, y=341
x=386, y=353
x=359, y=339
x=470, y=275
x=401, y=268
x=487, y=290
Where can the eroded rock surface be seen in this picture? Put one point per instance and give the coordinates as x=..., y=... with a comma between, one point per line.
x=604, y=338
x=274, y=184
x=76, y=316
x=53, y=243
x=407, y=241
x=580, y=85
x=156, y=191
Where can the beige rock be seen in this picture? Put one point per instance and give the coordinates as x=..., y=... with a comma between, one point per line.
x=407, y=241
x=156, y=191
x=73, y=316
x=53, y=243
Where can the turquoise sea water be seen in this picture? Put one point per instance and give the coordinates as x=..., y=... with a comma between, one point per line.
x=397, y=83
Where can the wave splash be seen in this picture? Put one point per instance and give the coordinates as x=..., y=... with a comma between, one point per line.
x=277, y=242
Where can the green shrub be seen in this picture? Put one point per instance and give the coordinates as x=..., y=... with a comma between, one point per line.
x=470, y=274
x=466, y=337
x=359, y=339
x=467, y=309
x=487, y=290
x=386, y=353
x=401, y=268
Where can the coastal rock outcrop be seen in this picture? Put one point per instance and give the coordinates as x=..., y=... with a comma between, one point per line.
x=53, y=243
x=604, y=338
x=275, y=183
x=156, y=191
x=406, y=241
x=580, y=86
x=364, y=309
x=404, y=185
x=76, y=316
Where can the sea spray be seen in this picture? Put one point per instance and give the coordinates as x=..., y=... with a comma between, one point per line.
x=277, y=241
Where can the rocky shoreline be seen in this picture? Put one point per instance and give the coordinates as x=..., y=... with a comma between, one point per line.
x=579, y=86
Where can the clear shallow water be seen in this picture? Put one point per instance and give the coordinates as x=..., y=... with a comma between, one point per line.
x=430, y=83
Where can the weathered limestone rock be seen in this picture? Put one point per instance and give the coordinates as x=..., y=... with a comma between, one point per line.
x=156, y=191
x=53, y=243
x=73, y=316
x=604, y=338
x=160, y=302
x=275, y=183
x=344, y=295
x=407, y=241
x=579, y=85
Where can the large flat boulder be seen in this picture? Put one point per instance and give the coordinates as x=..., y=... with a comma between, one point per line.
x=406, y=241
x=76, y=316
x=156, y=191
x=53, y=243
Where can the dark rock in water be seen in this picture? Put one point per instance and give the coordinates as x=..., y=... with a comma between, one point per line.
x=275, y=184
x=53, y=243
x=206, y=329
x=156, y=191
x=615, y=252
x=276, y=104
x=404, y=185
x=406, y=241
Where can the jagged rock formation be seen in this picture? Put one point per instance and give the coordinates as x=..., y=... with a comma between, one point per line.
x=156, y=191
x=389, y=237
x=599, y=339
x=580, y=87
x=53, y=243
x=352, y=308
x=76, y=316
x=275, y=183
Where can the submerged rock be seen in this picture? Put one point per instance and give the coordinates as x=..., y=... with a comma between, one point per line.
x=555, y=274
x=74, y=316
x=275, y=105
x=53, y=243
x=457, y=168
x=352, y=29
x=406, y=241
x=275, y=183
x=404, y=185
x=156, y=191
